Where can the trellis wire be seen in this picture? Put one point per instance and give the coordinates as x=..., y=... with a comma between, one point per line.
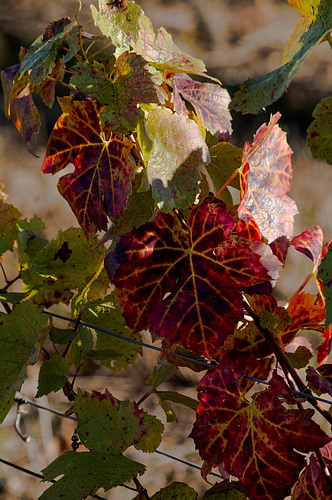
x=187, y=358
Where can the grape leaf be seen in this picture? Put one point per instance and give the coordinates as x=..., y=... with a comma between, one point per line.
x=177, y=152
x=121, y=26
x=310, y=242
x=309, y=32
x=201, y=272
x=107, y=425
x=325, y=348
x=66, y=263
x=161, y=374
x=46, y=88
x=175, y=491
x=227, y=490
x=106, y=314
x=163, y=53
x=320, y=380
x=251, y=439
x=152, y=439
x=101, y=182
x=80, y=347
x=265, y=178
x=225, y=159
x=312, y=484
x=280, y=248
x=319, y=131
x=210, y=102
x=9, y=216
x=62, y=335
x=22, y=334
x=83, y=473
x=22, y=110
x=52, y=375
x=129, y=84
x=325, y=274
x=300, y=357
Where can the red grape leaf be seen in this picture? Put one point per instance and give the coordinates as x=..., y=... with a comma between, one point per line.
x=312, y=484
x=248, y=230
x=200, y=271
x=251, y=439
x=101, y=182
x=210, y=102
x=319, y=132
x=265, y=178
x=163, y=53
x=320, y=380
x=310, y=242
x=21, y=110
x=325, y=348
x=280, y=248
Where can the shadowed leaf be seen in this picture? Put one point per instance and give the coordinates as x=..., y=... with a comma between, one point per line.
x=320, y=380
x=175, y=491
x=312, y=484
x=325, y=274
x=320, y=131
x=101, y=182
x=265, y=179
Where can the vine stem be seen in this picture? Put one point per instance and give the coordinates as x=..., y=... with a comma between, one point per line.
x=286, y=365
x=145, y=396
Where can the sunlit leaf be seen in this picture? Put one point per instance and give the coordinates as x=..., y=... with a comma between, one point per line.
x=22, y=334
x=188, y=283
x=265, y=179
x=249, y=438
x=310, y=242
x=210, y=102
x=259, y=92
x=177, y=152
x=320, y=131
x=84, y=473
x=101, y=182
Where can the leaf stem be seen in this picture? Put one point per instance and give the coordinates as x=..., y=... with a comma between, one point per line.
x=234, y=174
x=100, y=50
x=285, y=363
x=60, y=83
x=305, y=282
x=145, y=396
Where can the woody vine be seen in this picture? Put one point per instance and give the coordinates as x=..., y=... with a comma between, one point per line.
x=149, y=135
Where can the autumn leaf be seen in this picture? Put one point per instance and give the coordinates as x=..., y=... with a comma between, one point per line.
x=320, y=380
x=266, y=175
x=310, y=242
x=325, y=348
x=186, y=286
x=46, y=88
x=252, y=438
x=312, y=483
x=209, y=100
x=325, y=274
x=319, y=132
x=101, y=182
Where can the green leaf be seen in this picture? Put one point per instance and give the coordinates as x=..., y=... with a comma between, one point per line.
x=65, y=264
x=175, y=397
x=178, y=150
x=325, y=274
x=107, y=425
x=8, y=227
x=225, y=159
x=161, y=374
x=107, y=315
x=62, y=335
x=120, y=26
x=150, y=442
x=300, y=358
x=80, y=347
x=320, y=131
x=51, y=375
x=83, y=473
x=277, y=321
x=22, y=334
x=225, y=490
x=262, y=91
x=12, y=297
x=175, y=491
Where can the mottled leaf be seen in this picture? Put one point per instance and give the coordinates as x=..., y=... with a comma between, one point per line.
x=320, y=131
x=9, y=216
x=163, y=53
x=251, y=439
x=177, y=152
x=22, y=110
x=106, y=314
x=325, y=348
x=227, y=490
x=265, y=179
x=119, y=25
x=84, y=473
x=152, y=439
x=320, y=380
x=210, y=102
x=309, y=32
x=310, y=242
x=175, y=491
x=325, y=274
x=312, y=484
x=300, y=357
x=52, y=375
x=187, y=282
x=107, y=425
x=22, y=334
x=101, y=182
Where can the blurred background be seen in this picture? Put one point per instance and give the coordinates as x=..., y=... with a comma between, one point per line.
x=237, y=40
